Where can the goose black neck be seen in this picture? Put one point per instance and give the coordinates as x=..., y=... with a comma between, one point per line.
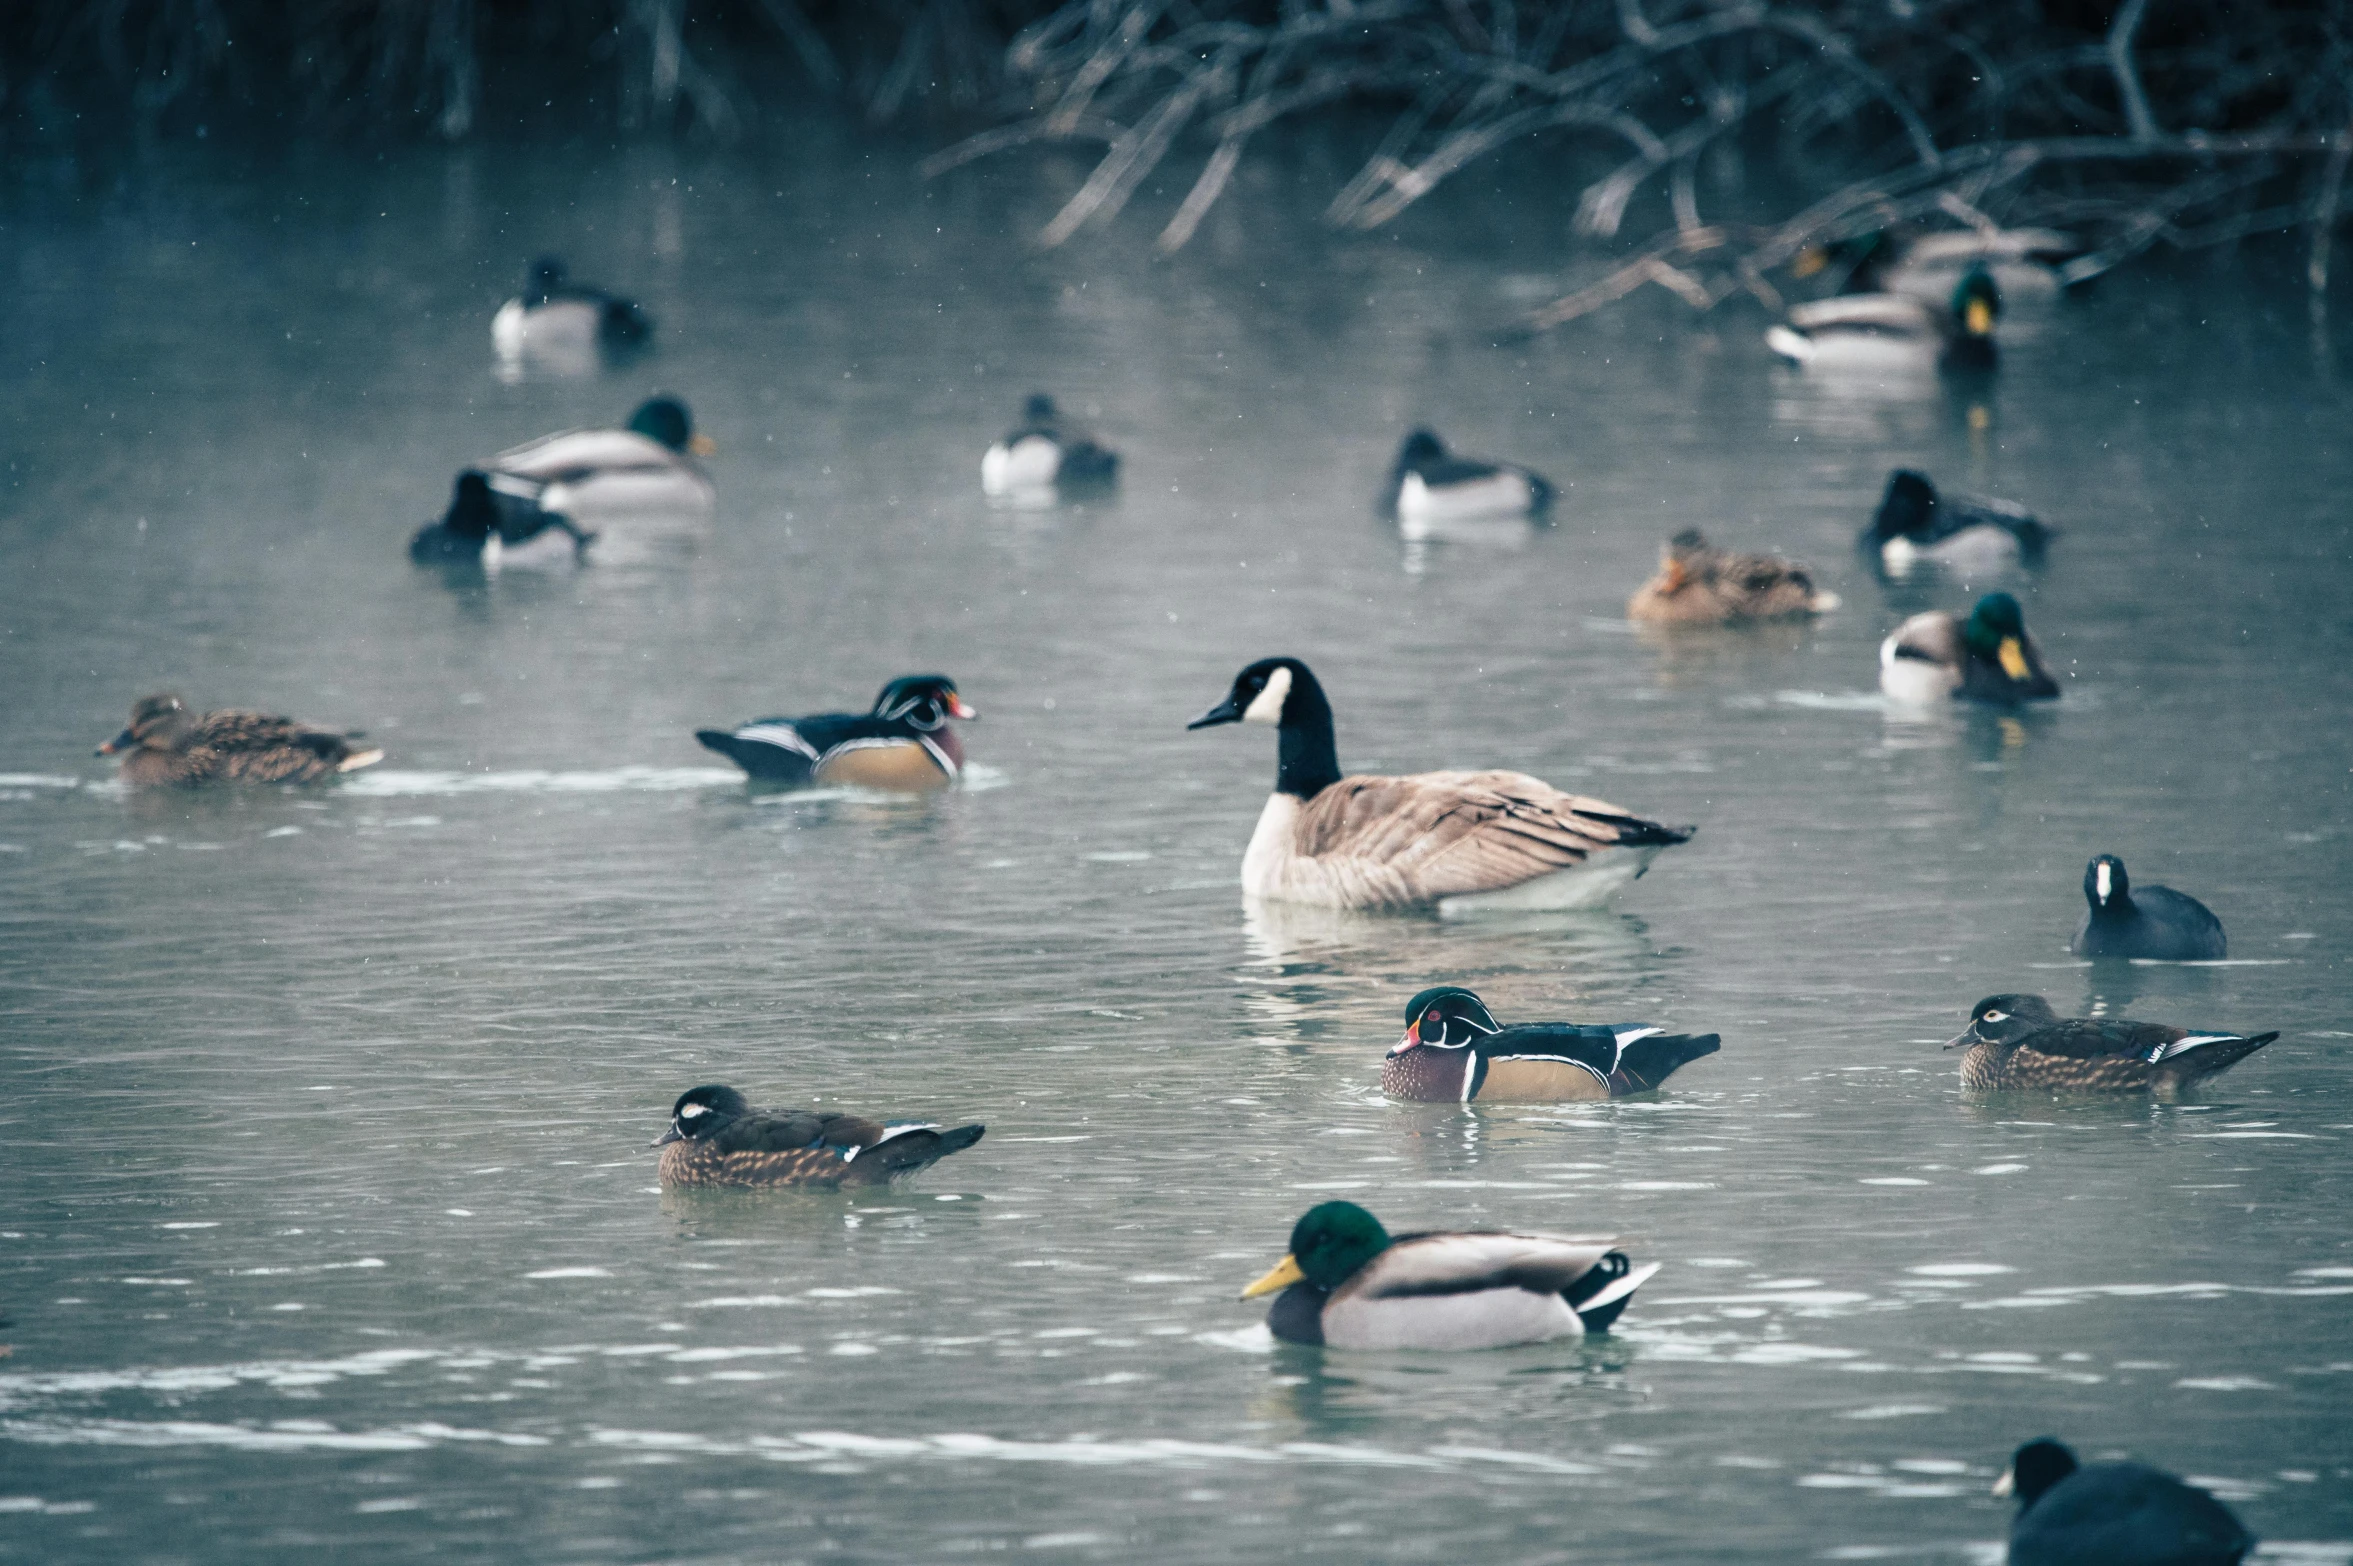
x=1307, y=761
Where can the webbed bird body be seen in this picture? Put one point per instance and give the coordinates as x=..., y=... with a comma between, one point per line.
x=1348, y=1284
x=715, y=1138
x=1700, y=585
x=2153, y=923
x=1916, y=526
x=1045, y=452
x=2023, y=262
x=2017, y=1041
x=644, y=469
x=1455, y=1052
x=2113, y=1514
x=1458, y=842
x=494, y=531
x=1867, y=332
x=166, y=744
x=1987, y=657
x=566, y=325
x=903, y=744
x=1429, y=488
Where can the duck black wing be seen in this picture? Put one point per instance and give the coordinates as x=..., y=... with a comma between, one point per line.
x=2190, y=923
x=902, y=1149
x=784, y=750
x=2187, y=1052
x=1956, y=513
x=1625, y=1057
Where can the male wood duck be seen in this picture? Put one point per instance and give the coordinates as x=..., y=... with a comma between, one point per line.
x=903, y=744
x=1988, y=657
x=485, y=528
x=646, y=466
x=2152, y=922
x=1455, y=1052
x=1698, y=584
x=2128, y=1514
x=2017, y=1041
x=1459, y=842
x=168, y=744
x=1915, y=525
x=1046, y=451
x=1430, y=486
x=557, y=317
x=715, y=1138
x=1349, y=1284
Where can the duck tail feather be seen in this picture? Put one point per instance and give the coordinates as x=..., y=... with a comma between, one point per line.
x=1654, y=1059
x=2208, y=1060
x=1601, y=1308
x=360, y=758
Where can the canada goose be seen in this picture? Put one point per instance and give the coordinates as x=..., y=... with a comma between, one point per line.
x=1700, y=585
x=1915, y=525
x=1455, y=1052
x=645, y=467
x=1044, y=451
x=1349, y=1284
x=1458, y=841
x=2154, y=922
x=485, y=528
x=2113, y=1514
x=167, y=744
x=1855, y=332
x=1430, y=487
x=715, y=1138
x=903, y=743
x=2017, y=1041
x=1988, y=657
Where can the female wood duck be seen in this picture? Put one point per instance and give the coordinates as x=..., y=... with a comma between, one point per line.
x=1700, y=585
x=168, y=744
x=2070, y=1513
x=715, y=1138
x=1989, y=657
x=1349, y=1284
x=2017, y=1041
x=1429, y=487
x=1454, y=1052
x=645, y=466
x=1044, y=451
x=1849, y=332
x=1916, y=526
x=485, y=528
x=558, y=318
x=903, y=744
x=1460, y=842
x=2156, y=923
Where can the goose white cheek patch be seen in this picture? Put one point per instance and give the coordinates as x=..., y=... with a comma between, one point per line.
x=1267, y=706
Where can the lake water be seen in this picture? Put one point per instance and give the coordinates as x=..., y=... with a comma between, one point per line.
x=327, y=1225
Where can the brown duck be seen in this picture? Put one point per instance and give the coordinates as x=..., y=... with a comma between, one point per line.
x=715, y=1138
x=1698, y=584
x=168, y=744
x=2017, y=1041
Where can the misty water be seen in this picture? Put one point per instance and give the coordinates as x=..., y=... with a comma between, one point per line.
x=328, y=1227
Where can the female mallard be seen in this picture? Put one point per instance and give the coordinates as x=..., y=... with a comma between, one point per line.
x=1430, y=487
x=2131, y=1514
x=1699, y=585
x=1349, y=1284
x=715, y=1138
x=647, y=466
x=903, y=744
x=168, y=744
x=556, y=318
x=1454, y=1052
x=1916, y=526
x=1880, y=331
x=485, y=528
x=2017, y=1041
x=1988, y=657
x=1044, y=451
x=2156, y=923
x=1458, y=841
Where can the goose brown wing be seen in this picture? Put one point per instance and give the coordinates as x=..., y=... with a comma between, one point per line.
x=1425, y=1264
x=1448, y=834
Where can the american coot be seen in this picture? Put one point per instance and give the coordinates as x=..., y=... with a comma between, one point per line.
x=2152, y=921
x=2113, y=1514
x=715, y=1138
x=1347, y=1283
x=1700, y=585
x=903, y=743
x=1857, y=333
x=1045, y=451
x=1455, y=1052
x=1459, y=841
x=1916, y=525
x=1988, y=657
x=1429, y=486
x=2017, y=1041
x=167, y=744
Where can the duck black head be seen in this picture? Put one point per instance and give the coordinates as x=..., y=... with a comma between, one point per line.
x=1038, y=408
x=2105, y=884
x=1977, y=304
x=922, y=701
x=701, y=1112
x=1421, y=449
x=1999, y=1019
x=156, y=722
x=473, y=511
x=1908, y=508
x=666, y=419
x=2034, y=1468
x=1445, y=1017
x=1329, y=1243
x=545, y=277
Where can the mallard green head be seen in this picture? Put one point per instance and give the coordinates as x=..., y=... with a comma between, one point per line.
x=666, y=420
x=1996, y=631
x=1977, y=304
x=1447, y=1015
x=1328, y=1246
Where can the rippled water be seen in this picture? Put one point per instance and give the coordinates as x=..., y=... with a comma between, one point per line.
x=327, y=1223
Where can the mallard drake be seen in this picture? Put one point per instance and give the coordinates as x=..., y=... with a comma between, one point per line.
x=167, y=744
x=715, y=1138
x=1454, y=1052
x=904, y=743
x=1700, y=585
x=1458, y=841
x=1349, y=1284
x=645, y=466
x=1876, y=331
x=2156, y=922
x=2017, y=1041
x=485, y=528
x=1045, y=451
x=1988, y=657
x=1429, y=487
x=1916, y=526
x=2128, y=1514
x=2021, y=261
x=557, y=317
